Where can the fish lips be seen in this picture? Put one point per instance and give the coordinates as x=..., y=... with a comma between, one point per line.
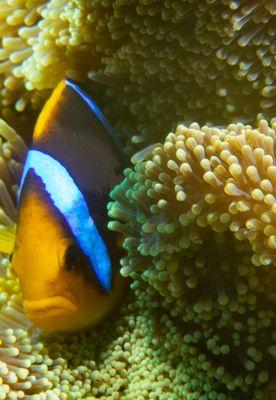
x=50, y=306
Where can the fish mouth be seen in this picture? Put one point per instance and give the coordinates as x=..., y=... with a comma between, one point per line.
x=50, y=306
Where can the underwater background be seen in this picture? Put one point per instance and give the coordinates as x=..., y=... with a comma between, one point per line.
x=197, y=211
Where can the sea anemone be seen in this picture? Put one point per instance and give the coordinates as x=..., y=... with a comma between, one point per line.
x=160, y=61
x=197, y=214
x=126, y=358
x=129, y=357
x=198, y=217
x=204, y=61
x=162, y=343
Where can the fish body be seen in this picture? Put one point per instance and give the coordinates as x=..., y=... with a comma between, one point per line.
x=64, y=255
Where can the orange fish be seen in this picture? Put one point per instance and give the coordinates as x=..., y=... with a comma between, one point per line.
x=64, y=255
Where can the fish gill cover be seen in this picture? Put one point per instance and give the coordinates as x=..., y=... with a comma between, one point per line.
x=202, y=190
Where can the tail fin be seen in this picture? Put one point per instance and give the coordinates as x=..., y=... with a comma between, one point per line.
x=7, y=239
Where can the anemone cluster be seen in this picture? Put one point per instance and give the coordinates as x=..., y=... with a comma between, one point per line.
x=134, y=355
x=204, y=61
x=198, y=217
x=150, y=63
x=138, y=355
x=197, y=212
x=179, y=334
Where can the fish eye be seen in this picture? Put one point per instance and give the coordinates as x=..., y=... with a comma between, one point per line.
x=72, y=257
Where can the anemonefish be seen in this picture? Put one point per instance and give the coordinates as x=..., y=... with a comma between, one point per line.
x=65, y=257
